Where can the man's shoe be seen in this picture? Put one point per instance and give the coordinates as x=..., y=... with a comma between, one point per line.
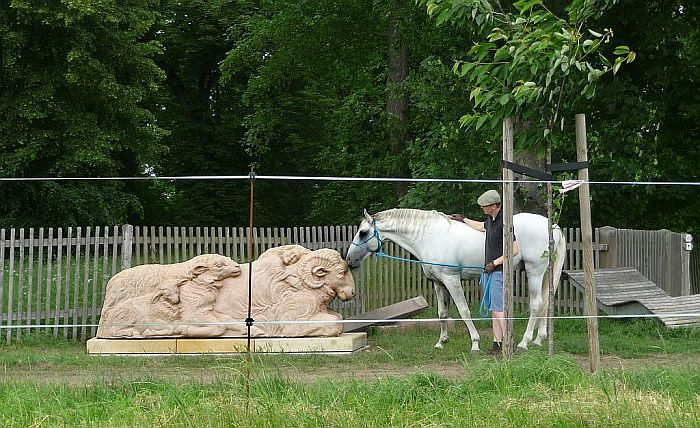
x=496, y=349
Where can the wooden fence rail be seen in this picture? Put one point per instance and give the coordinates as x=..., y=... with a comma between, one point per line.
x=53, y=280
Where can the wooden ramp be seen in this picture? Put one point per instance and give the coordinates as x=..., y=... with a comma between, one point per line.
x=625, y=291
x=406, y=309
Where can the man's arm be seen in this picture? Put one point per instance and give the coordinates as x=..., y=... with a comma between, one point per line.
x=499, y=261
x=478, y=225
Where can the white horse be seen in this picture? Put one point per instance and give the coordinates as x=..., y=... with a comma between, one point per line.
x=450, y=251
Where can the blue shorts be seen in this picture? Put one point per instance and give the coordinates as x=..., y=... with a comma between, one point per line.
x=496, y=289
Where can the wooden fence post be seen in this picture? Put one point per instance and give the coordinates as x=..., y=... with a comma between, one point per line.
x=127, y=244
x=685, y=265
x=2, y=278
x=608, y=236
x=508, y=239
x=587, y=238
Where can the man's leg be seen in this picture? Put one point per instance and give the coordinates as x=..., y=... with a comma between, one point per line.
x=497, y=326
x=497, y=309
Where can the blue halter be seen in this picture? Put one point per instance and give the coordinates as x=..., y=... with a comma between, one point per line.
x=375, y=234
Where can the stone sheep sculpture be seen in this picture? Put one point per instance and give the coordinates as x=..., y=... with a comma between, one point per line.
x=148, y=300
x=207, y=296
x=290, y=283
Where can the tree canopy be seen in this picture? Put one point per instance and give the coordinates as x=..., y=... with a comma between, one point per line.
x=346, y=88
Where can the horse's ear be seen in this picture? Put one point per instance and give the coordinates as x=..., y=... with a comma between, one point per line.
x=368, y=217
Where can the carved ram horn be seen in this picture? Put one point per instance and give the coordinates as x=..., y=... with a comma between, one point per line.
x=199, y=269
x=313, y=267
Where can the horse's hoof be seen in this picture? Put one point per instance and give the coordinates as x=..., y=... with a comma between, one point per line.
x=476, y=351
x=520, y=350
x=438, y=346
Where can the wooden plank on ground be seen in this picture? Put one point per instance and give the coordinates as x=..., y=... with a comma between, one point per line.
x=406, y=309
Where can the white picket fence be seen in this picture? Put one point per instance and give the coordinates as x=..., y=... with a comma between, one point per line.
x=53, y=279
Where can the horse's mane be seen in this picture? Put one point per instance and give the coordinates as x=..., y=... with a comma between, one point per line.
x=402, y=217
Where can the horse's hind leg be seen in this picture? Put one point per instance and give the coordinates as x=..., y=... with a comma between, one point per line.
x=541, y=331
x=542, y=321
x=535, y=309
x=443, y=301
x=530, y=330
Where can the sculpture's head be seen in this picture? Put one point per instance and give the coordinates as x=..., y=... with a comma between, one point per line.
x=216, y=266
x=326, y=268
x=288, y=254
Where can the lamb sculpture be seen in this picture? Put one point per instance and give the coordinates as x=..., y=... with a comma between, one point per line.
x=207, y=296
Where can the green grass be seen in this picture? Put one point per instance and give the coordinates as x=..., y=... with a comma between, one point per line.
x=531, y=390
x=335, y=391
x=626, y=338
x=621, y=338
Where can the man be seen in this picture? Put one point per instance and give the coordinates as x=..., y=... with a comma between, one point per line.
x=490, y=203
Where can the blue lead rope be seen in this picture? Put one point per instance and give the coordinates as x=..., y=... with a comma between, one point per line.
x=485, y=305
x=381, y=253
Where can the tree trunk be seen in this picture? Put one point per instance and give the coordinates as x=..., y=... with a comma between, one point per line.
x=530, y=198
x=397, y=97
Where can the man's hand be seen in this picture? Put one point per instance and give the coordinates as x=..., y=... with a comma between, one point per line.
x=457, y=217
x=490, y=267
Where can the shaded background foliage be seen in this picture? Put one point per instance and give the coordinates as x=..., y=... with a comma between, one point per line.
x=345, y=88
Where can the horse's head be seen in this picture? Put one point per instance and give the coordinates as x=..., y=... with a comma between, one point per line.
x=365, y=242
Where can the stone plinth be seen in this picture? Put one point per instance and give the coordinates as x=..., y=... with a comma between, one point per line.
x=345, y=343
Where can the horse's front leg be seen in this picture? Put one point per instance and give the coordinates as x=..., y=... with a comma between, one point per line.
x=443, y=301
x=454, y=286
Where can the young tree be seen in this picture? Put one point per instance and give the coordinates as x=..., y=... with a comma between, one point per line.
x=535, y=62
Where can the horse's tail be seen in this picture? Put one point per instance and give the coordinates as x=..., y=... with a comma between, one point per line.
x=558, y=258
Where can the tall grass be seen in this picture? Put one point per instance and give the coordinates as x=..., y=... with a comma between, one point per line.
x=529, y=391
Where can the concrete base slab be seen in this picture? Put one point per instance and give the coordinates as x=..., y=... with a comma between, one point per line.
x=131, y=346
x=346, y=343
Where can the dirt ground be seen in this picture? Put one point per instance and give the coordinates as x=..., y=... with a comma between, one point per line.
x=50, y=374
x=57, y=374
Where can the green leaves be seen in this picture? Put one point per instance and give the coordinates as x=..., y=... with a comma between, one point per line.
x=623, y=55
x=531, y=63
x=621, y=50
x=525, y=5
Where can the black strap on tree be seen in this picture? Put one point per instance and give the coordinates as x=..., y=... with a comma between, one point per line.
x=544, y=175
x=569, y=166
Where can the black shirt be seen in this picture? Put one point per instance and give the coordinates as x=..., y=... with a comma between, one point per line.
x=494, y=238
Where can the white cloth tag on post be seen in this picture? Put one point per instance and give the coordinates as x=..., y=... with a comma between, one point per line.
x=568, y=185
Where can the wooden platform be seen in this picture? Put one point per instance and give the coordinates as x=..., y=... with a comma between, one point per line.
x=625, y=291
x=346, y=343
